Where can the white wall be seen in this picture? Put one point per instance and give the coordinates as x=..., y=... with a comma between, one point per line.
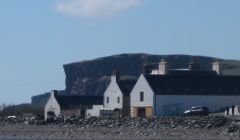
x=184, y=102
x=141, y=85
x=95, y=111
x=113, y=92
x=236, y=111
x=52, y=105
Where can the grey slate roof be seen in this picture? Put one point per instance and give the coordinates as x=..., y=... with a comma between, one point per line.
x=126, y=86
x=194, y=84
x=71, y=101
x=192, y=73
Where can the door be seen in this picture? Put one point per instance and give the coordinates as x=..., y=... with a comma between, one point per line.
x=141, y=112
x=83, y=112
x=116, y=113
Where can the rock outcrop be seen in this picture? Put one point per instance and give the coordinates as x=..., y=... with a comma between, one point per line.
x=91, y=77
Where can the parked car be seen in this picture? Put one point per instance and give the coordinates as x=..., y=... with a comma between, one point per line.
x=197, y=110
x=11, y=118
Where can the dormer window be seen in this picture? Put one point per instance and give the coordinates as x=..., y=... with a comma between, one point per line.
x=141, y=96
x=118, y=99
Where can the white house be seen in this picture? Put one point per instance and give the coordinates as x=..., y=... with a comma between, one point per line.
x=70, y=105
x=113, y=95
x=170, y=92
x=142, y=97
x=51, y=106
x=117, y=96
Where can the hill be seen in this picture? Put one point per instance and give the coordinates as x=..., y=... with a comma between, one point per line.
x=91, y=77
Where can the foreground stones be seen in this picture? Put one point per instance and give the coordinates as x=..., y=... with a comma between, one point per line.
x=75, y=127
x=207, y=122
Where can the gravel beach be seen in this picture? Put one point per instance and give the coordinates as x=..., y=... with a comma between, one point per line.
x=174, y=128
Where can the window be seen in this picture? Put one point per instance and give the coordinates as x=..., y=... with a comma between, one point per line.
x=118, y=99
x=141, y=96
x=107, y=100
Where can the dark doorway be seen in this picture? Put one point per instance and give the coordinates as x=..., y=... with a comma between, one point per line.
x=116, y=113
x=141, y=112
x=51, y=114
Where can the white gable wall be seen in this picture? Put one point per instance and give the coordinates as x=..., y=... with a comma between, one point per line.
x=141, y=86
x=113, y=92
x=51, y=105
x=183, y=102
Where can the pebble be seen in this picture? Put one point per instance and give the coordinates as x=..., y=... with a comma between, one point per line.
x=203, y=122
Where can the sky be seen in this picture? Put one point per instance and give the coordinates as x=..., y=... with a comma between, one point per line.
x=38, y=37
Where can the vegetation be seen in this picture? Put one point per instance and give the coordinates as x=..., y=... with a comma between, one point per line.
x=20, y=110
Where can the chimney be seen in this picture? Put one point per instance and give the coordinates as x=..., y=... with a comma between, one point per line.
x=115, y=76
x=53, y=93
x=216, y=66
x=146, y=69
x=163, y=67
x=194, y=65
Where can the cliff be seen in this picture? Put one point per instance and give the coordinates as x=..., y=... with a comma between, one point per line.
x=90, y=77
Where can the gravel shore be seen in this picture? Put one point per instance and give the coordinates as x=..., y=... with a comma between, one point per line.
x=174, y=128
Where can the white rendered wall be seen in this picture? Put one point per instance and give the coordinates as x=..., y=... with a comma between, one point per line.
x=155, y=72
x=51, y=105
x=214, y=103
x=236, y=110
x=95, y=111
x=216, y=66
x=113, y=92
x=141, y=86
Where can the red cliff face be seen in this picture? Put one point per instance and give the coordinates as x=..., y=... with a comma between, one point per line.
x=92, y=77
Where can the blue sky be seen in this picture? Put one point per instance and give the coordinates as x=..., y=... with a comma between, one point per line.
x=38, y=37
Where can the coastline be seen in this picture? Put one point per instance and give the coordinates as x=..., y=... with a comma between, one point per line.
x=21, y=131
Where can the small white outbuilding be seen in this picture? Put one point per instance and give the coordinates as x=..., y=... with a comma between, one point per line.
x=51, y=106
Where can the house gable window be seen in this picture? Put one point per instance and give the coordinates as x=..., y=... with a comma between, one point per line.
x=118, y=99
x=107, y=100
x=141, y=96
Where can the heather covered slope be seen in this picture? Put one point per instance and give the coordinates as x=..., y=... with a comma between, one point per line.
x=90, y=77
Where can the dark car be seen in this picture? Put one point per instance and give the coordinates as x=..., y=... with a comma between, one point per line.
x=197, y=110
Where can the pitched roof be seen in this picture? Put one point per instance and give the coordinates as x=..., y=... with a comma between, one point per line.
x=194, y=84
x=192, y=73
x=126, y=86
x=68, y=101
